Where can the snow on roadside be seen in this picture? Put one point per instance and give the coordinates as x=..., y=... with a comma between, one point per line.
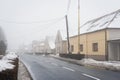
x=5, y=62
x=10, y=56
x=111, y=65
x=103, y=64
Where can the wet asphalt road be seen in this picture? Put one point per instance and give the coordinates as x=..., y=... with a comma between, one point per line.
x=48, y=68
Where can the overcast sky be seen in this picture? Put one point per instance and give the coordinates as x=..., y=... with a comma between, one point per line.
x=26, y=20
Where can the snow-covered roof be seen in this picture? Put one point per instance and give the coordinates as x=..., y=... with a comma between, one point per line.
x=52, y=44
x=111, y=20
x=58, y=37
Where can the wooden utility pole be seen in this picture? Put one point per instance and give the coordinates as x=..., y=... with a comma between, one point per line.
x=106, y=46
x=66, y=18
x=78, y=26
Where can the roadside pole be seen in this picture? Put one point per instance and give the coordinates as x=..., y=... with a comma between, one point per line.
x=68, y=42
x=78, y=26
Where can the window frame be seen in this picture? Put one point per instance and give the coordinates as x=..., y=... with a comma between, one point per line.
x=95, y=47
x=81, y=47
x=72, y=48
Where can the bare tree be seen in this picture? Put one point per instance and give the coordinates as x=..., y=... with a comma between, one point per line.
x=3, y=47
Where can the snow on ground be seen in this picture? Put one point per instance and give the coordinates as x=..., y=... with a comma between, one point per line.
x=10, y=55
x=4, y=64
x=5, y=61
x=113, y=65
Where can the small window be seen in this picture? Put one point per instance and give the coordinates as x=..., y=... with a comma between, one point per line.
x=72, y=48
x=95, y=46
x=81, y=47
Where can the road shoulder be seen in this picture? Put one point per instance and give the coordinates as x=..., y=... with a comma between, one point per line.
x=23, y=73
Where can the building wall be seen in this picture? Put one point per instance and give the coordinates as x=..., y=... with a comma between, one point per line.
x=87, y=41
x=74, y=43
x=114, y=34
x=64, y=47
x=58, y=47
x=96, y=37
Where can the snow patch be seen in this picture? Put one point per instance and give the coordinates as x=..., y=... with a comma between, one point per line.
x=103, y=64
x=5, y=62
x=10, y=56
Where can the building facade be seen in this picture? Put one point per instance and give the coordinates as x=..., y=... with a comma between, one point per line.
x=101, y=45
x=43, y=47
x=64, y=47
x=99, y=38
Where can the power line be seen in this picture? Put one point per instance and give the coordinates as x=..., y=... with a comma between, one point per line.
x=68, y=6
x=32, y=22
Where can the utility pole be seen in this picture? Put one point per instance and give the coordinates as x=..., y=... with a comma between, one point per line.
x=66, y=18
x=106, y=46
x=78, y=26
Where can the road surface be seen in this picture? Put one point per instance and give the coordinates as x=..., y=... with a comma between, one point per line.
x=48, y=68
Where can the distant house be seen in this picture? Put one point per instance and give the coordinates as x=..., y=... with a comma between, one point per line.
x=64, y=47
x=58, y=43
x=100, y=38
x=42, y=47
x=47, y=46
x=25, y=49
x=36, y=47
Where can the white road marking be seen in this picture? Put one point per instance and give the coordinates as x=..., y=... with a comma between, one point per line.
x=68, y=69
x=54, y=64
x=47, y=61
x=90, y=76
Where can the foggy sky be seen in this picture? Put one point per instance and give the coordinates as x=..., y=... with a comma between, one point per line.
x=26, y=20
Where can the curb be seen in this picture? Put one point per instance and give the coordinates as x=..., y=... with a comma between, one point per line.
x=68, y=60
x=26, y=69
x=86, y=65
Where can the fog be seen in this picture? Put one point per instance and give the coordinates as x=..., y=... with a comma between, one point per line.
x=26, y=20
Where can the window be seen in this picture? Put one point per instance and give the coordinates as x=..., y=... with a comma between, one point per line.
x=72, y=48
x=95, y=46
x=81, y=47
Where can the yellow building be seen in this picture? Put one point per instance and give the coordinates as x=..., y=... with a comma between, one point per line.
x=100, y=38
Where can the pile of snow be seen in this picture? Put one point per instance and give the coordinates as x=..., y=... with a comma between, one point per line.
x=55, y=55
x=10, y=56
x=103, y=64
x=5, y=62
